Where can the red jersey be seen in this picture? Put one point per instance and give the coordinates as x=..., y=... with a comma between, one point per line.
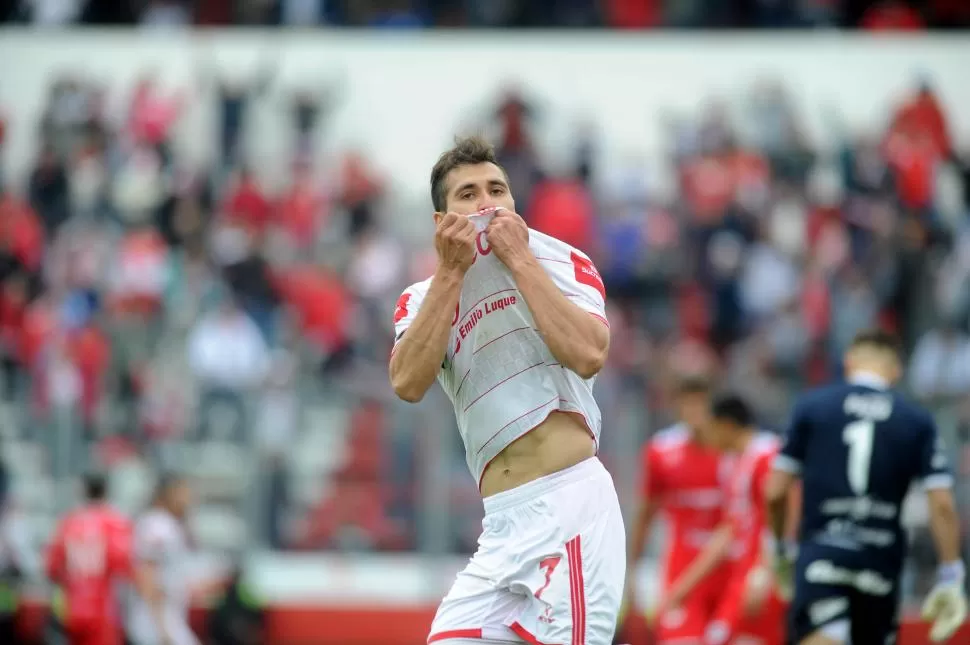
x=89, y=552
x=745, y=506
x=686, y=478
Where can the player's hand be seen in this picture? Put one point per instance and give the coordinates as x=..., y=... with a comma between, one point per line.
x=508, y=236
x=756, y=590
x=783, y=566
x=946, y=607
x=454, y=240
x=670, y=602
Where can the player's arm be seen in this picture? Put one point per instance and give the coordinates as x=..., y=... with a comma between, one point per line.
x=714, y=552
x=785, y=472
x=946, y=606
x=650, y=504
x=55, y=558
x=149, y=547
x=577, y=337
x=420, y=349
x=422, y=329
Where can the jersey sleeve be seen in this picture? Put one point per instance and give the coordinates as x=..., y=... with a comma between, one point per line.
x=55, y=556
x=406, y=310
x=149, y=541
x=759, y=477
x=579, y=280
x=789, y=459
x=652, y=486
x=934, y=470
x=121, y=550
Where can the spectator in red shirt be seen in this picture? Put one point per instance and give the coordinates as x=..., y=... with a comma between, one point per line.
x=302, y=210
x=246, y=203
x=151, y=115
x=21, y=232
x=323, y=311
x=634, y=14
x=892, y=15
x=13, y=307
x=89, y=350
x=563, y=208
x=924, y=115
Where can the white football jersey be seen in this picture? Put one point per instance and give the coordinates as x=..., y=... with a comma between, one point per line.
x=498, y=372
x=159, y=538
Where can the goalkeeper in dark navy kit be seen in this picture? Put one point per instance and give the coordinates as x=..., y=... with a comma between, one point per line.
x=857, y=447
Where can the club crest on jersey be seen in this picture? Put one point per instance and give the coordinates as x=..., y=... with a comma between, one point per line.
x=401, y=310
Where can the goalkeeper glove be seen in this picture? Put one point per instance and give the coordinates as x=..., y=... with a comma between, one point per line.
x=946, y=606
x=783, y=564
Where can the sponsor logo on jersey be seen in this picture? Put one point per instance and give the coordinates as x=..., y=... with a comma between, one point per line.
x=826, y=610
x=867, y=581
x=488, y=307
x=587, y=274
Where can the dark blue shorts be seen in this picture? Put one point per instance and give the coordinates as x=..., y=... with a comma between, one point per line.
x=826, y=592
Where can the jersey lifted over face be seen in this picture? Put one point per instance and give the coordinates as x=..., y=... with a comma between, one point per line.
x=857, y=448
x=498, y=372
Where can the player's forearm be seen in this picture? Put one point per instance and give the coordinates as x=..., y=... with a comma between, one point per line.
x=641, y=529
x=776, y=503
x=419, y=353
x=945, y=525
x=577, y=340
x=714, y=552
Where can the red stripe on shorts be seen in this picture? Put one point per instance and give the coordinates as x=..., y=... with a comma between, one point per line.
x=455, y=633
x=524, y=634
x=577, y=593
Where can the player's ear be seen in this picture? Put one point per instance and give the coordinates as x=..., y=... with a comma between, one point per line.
x=437, y=217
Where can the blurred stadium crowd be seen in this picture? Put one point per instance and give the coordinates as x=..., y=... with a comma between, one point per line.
x=155, y=314
x=619, y=14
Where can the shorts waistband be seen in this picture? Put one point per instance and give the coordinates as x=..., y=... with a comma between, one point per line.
x=539, y=487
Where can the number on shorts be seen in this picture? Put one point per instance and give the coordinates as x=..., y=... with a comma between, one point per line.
x=858, y=435
x=548, y=565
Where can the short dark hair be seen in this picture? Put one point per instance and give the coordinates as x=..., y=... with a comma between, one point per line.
x=693, y=384
x=731, y=407
x=877, y=339
x=467, y=151
x=95, y=488
x=165, y=484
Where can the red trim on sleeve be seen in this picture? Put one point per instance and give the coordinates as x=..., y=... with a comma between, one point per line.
x=401, y=310
x=600, y=318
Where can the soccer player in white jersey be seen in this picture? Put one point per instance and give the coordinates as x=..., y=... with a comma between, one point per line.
x=159, y=614
x=512, y=325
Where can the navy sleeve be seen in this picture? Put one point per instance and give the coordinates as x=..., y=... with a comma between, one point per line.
x=934, y=470
x=792, y=453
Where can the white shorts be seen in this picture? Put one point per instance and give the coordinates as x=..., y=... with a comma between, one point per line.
x=549, y=567
x=142, y=629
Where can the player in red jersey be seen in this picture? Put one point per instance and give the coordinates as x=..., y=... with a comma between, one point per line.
x=683, y=482
x=89, y=553
x=751, y=609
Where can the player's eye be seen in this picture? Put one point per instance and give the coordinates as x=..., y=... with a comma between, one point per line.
x=466, y=195
x=498, y=191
